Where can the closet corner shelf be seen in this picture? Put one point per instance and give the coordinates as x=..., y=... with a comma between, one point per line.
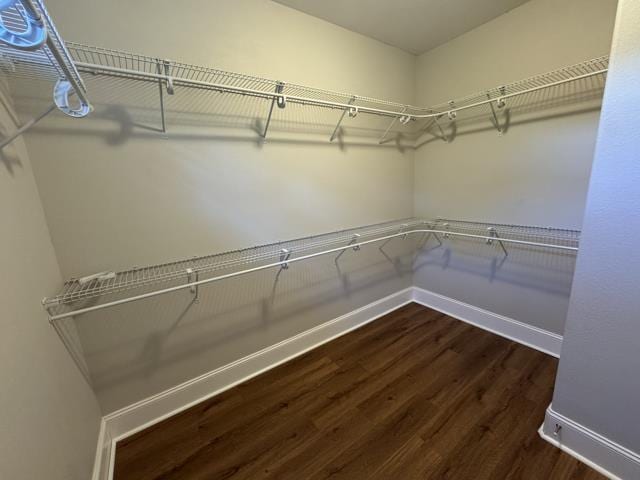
x=32, y=48
x=120, y=64
x=109, y=289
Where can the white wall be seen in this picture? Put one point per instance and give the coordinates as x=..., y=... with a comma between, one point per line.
x=49, y=417
x=116, y=195
x=535, y=174
x=598, y=385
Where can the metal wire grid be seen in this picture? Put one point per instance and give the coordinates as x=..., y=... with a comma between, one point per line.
x=92, y=59
x=575, y=72
x=42, y=63
x=72, y=290
x=543, y=235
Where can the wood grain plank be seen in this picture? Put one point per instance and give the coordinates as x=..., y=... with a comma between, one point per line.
x=413, y=395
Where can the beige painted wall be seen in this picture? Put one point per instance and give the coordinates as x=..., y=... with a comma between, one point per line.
x=117, y=195
x=49, y=417
x=117, y=199
x=535, y=174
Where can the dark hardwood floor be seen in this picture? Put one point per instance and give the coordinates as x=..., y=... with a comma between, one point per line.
x=413, y=395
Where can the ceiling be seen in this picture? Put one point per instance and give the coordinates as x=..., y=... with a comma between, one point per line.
x=415, y=26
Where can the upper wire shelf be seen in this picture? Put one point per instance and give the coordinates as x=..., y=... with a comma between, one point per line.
x=32, y=48
x=106, y=289
x=42, y=56
x=114, y=63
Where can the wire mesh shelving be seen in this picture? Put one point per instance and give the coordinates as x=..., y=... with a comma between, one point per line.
x=31, y=48
x=114, y=63
x=97, y=292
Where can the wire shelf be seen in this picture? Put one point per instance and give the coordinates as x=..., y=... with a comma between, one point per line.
x=73, y=291
x=596, y=67
x=540, y=235
x=52, y=61
x=102, y=61
x=76, y=294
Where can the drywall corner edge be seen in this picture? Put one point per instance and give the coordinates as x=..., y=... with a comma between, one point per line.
x=102, y=466
x=134, y=418
x=600, y=453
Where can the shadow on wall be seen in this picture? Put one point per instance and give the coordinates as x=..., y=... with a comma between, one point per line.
x=530, y=285
x=133, y=108
x=139, y=349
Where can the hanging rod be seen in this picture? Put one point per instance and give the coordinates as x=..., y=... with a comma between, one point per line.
x=420, y=227
x=100, y=61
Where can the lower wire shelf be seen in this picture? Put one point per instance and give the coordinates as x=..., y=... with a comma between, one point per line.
x=99, y=291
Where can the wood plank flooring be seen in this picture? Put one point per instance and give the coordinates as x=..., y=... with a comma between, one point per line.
x=413, y=395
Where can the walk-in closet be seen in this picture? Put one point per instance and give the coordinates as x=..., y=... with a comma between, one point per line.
x=293, y=239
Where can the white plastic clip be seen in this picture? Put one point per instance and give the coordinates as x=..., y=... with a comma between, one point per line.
x=61, y=92
x=353, y=112
x=167, y=69
x=405, y=119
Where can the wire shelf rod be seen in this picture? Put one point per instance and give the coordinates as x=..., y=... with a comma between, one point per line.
x=102, y=69
x=289, y=261
x=179, y=267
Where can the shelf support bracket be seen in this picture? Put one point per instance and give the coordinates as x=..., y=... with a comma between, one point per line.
x=442, y=134
x=428, y=235
x=195, y=289
x=26, y=127
x=404, y=119
x=280, y=100
x=162, y=67
x=284, y=256
x=354, y=239
x=500, y=103
x=344, y=113
x=493, y=233
x=402, y=229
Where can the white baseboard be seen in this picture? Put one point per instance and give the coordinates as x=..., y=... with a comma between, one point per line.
x=156, y=408
x=103, y=463
x=600, y=453
x=543, y=340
